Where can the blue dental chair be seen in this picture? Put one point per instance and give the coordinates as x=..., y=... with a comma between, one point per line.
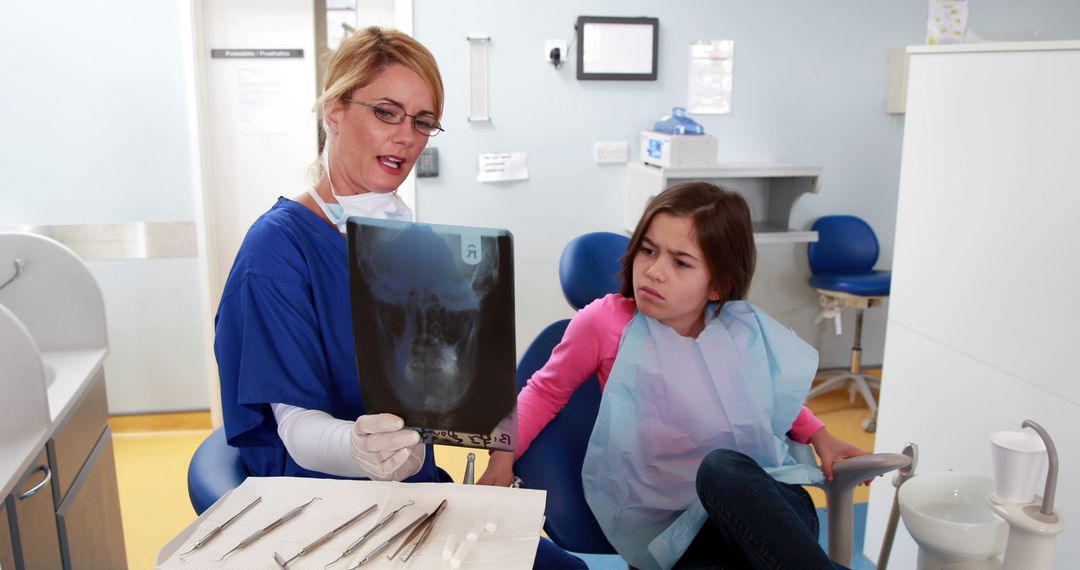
x=589, y=269
x=842, y=265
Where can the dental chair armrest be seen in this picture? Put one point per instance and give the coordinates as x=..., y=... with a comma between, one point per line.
x=840, y=492
x=848, y=473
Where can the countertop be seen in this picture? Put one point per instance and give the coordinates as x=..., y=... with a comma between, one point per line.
x=74, y=369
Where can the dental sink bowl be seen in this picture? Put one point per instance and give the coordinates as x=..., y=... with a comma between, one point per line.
x=947, y=512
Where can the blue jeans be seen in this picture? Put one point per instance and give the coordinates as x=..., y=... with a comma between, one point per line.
x=550, y=557
x=754, y=520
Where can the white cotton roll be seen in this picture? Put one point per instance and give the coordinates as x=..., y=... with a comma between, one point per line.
x=459, y=555
x=492, y=522
x=474, y=533
x=448, y=548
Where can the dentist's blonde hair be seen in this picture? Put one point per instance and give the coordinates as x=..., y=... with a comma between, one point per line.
x=362, y=55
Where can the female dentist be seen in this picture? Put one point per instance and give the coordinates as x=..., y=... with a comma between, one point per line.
x=284, y=344
x=285, y=350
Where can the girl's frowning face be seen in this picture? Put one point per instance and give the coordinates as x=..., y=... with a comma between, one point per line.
x=672, y=281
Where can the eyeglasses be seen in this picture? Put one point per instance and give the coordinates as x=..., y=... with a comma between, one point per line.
x=393, y=114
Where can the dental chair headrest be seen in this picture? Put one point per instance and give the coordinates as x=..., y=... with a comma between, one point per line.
x=589, y=267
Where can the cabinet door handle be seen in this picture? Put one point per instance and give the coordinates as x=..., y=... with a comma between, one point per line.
x=37, y=488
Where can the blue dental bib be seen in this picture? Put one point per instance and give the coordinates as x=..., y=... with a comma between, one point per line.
x=669, y=401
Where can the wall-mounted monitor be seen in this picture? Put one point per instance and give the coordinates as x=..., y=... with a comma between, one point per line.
x=617, y=48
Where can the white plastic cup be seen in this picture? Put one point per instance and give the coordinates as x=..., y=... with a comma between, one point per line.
x=1019, y=458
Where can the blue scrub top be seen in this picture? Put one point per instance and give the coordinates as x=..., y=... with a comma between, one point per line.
x=284, y=335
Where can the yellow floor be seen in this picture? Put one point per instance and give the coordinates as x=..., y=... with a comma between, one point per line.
x=152, y=454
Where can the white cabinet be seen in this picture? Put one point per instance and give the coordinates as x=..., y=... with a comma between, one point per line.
x=58, y=476
x=984, y=317
x=7, y=550
x=770, y=189
x=35, y=535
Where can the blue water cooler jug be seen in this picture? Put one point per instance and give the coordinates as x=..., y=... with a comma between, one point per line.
x=678, y=124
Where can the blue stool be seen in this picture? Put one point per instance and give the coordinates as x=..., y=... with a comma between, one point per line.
x=215, y=469
x=842, y=265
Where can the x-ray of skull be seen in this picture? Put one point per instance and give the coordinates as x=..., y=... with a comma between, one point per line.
x=433, y=320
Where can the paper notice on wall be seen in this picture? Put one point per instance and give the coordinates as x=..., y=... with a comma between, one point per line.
x=502, y=166
x=947, y=22
x=712, y=65
x=261, y=91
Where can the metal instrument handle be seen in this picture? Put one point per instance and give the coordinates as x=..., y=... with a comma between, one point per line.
x=216, y=530
x=381, y=547
x=281, y=520
x=322, y=539
x=378, y=524
x=37, y=488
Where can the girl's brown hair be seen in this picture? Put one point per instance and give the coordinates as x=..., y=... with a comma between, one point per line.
x=721, y=220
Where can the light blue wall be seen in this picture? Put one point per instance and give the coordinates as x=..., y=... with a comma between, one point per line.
x=809, y=88
x=95, y=128
x=94, y=113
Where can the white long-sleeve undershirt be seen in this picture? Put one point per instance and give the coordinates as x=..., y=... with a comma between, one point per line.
x=317, y=441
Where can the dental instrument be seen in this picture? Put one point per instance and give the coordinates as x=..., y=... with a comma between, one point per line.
x=363, y=538
x=281, y=562
x=216, y=530
x=902, y=475
x=470, y=469
x=386, y=543
x=262, y=531
x=423, y=530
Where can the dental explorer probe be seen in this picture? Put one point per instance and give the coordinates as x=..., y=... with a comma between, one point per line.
x=319, y=541
x=348, y=550
x=262, y=531
x=381, y=547
x=214, y=532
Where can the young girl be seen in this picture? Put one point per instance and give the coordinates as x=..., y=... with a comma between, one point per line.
x=697, y=457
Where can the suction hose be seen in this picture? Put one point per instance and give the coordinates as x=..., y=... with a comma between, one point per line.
x=902, y=475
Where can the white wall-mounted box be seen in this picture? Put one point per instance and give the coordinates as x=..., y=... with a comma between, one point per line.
x=678, y=151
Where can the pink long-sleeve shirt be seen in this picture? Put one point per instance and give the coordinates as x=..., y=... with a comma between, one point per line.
x=589, y=346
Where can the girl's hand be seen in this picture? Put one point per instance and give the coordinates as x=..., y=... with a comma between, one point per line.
x=500, y=470
x=832, y=449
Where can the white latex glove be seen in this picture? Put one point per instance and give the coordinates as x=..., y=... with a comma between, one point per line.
x=385, y=450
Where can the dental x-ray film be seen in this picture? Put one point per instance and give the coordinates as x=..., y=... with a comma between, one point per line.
x=433, y=323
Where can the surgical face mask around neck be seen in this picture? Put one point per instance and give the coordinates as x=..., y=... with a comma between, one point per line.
x=383, y=205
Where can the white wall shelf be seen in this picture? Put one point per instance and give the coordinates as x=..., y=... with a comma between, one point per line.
x=770, y=189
